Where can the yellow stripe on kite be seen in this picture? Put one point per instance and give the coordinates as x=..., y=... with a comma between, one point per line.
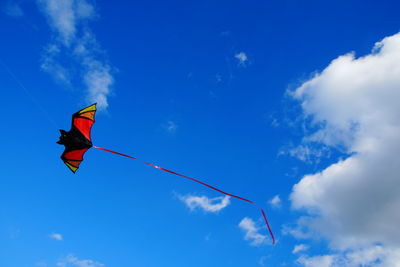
x=71, y=167
x=89, y=108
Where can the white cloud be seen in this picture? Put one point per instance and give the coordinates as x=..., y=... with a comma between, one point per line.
x=374, y=256
x=316, y=261
x=242, y=58
x=207, y=204
x=64, y=16
x=300, y=248
x=74, y=42
x=98, y=80
x=72, y=261
x=12, y=9
x=276, y=202
x=354, y=104
x=50, y=64
x=299, y=231
x=56, y=236
x=252, y=232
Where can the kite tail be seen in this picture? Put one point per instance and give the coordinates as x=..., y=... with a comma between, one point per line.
x=200, y=182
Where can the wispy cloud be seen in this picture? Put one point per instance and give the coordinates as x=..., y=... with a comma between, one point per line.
x=56, y=236
x=41, y=264
x=242, y=58
x=276, y=201
x=252, y=232
x=206, y=204
x=263, y=261
x=306, y=152
x=171, y=127
x=74, y=42
x=317, y=261
x=65, y=17
x=50, y=64
x=72, y=261
x=12, y=9
x=300, y=248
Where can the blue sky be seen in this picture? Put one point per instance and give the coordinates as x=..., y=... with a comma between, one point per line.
x=292, y=104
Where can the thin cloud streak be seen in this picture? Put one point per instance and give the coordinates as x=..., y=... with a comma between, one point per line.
x=74, y=42
x=73, y=261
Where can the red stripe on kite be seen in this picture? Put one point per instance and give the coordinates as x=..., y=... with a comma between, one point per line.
x=75, y=154
x=84, y=125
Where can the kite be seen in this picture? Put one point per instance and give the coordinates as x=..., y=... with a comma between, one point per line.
x=78, y=140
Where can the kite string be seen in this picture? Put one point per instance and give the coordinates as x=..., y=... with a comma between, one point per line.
x=200, y=182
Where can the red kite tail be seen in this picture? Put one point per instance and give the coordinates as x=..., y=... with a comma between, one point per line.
x=200, y=182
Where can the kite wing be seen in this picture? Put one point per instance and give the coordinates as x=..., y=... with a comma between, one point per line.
x=73, y=158
x=78, y=140
x=83, y=120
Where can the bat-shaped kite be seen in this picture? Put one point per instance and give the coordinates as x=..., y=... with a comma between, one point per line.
x=77, y=141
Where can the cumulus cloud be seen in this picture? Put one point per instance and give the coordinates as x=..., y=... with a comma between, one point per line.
x=300, y=248
x=73, y=42
x=353, y=104
x=206, y=204
x=251, y=231
x=72, y=261
x=276, y=201
x=242, y=58
x=56, y=236
x=12, y=9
